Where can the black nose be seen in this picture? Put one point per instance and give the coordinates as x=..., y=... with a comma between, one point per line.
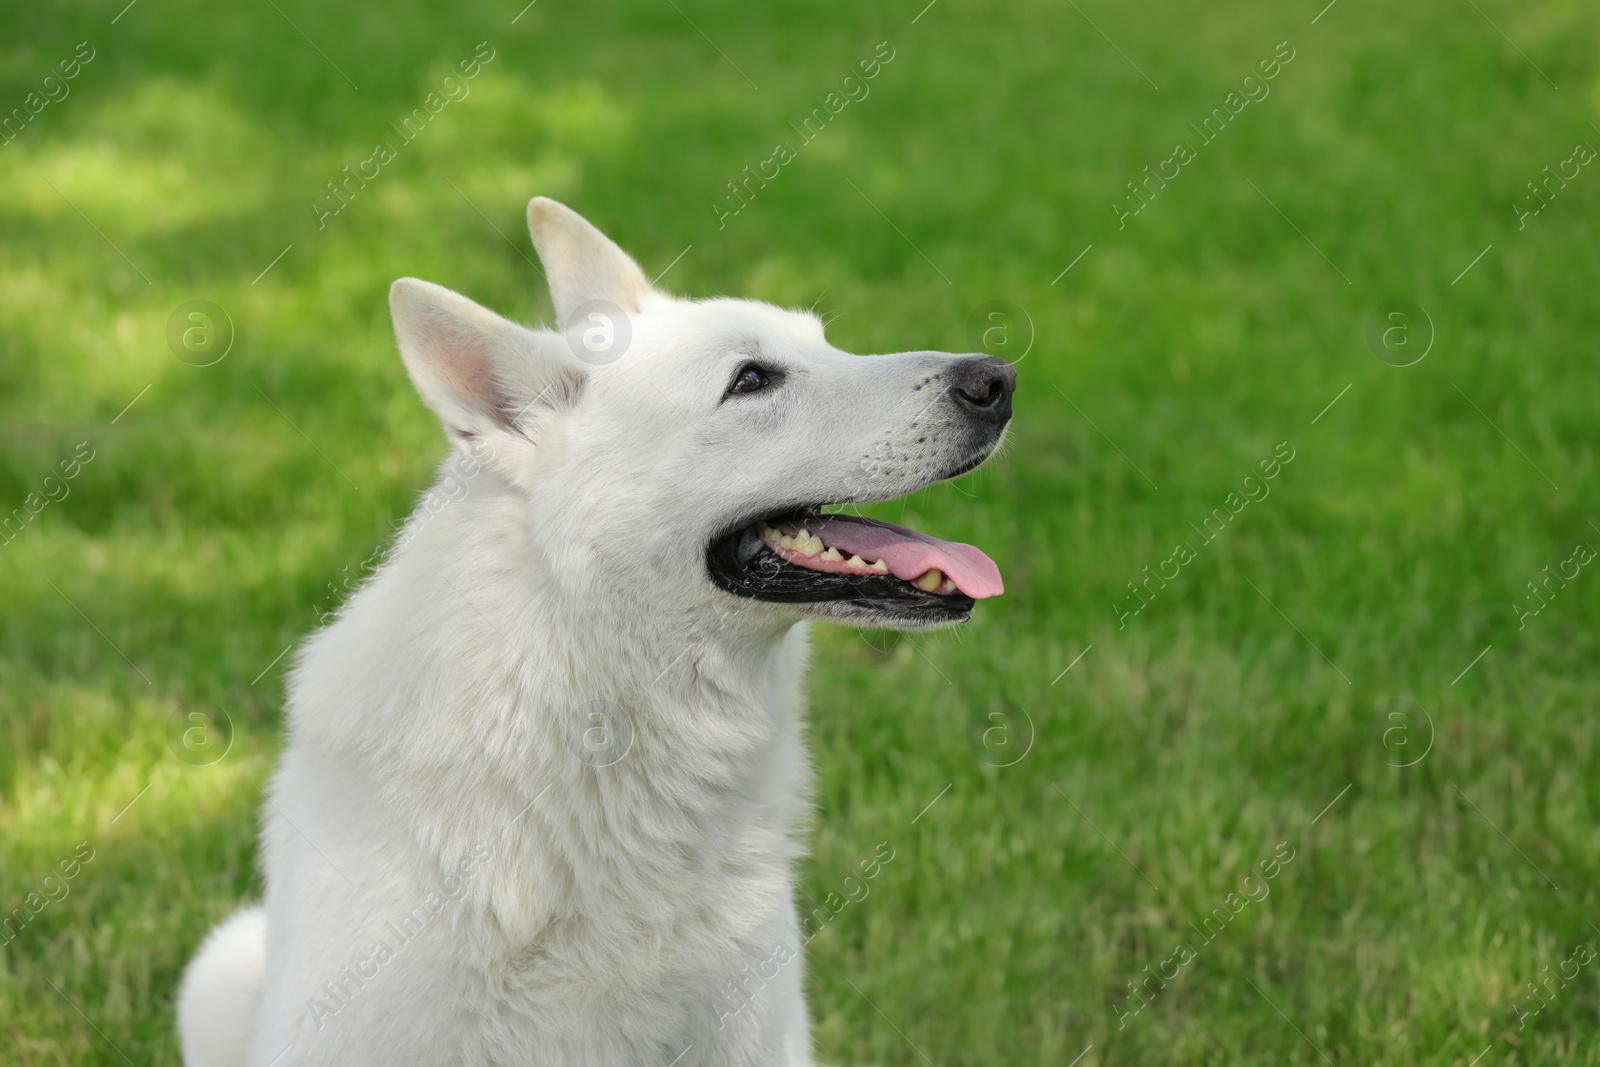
x=983, y=386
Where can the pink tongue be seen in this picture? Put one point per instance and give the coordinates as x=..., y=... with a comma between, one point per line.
x=908, y=554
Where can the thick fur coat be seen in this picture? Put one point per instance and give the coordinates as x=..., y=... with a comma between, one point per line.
x=545, y=782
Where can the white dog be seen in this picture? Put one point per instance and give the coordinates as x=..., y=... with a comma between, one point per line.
x=544, y=781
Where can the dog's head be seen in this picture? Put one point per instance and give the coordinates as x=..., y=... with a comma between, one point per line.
x=684, y=450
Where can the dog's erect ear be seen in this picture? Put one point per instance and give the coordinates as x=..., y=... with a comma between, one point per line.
x=582, y=263
x=489, y=380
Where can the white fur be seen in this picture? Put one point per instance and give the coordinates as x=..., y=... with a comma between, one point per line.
x=563, y=913
x=221, y=987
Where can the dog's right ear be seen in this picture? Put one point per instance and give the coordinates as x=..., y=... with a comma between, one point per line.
x=583, y=264
x=491, y=382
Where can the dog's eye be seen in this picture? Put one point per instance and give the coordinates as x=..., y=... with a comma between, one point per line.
x=749, y=379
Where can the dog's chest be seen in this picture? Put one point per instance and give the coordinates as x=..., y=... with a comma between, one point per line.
x=670, y=921
x=674, y=888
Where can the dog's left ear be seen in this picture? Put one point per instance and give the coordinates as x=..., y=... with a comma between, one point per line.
x=583, y=264
x=490, y=381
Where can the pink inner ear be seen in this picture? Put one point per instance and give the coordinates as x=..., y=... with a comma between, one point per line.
x=460, y=361
x=476, y=370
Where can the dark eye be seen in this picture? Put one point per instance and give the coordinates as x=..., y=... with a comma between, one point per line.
x=749, y=379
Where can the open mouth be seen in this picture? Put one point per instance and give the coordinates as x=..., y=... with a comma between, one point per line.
x=853, y=569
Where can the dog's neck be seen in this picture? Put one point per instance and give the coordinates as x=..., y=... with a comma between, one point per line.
x=467, y=633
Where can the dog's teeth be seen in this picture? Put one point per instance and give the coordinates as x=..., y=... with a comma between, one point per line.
x=947, y=588
x=880, y=566
x=930, y=580
x=856, y=561
x=832, y=555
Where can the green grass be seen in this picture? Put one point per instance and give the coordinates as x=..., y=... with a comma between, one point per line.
x=1179, y=750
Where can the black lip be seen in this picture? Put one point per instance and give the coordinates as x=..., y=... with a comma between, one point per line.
x=765, y=576
x=970, y=465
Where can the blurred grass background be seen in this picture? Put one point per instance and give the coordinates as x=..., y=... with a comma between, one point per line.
x=220, y=511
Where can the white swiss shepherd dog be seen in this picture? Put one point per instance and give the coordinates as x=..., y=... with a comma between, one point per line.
x=544, y=785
